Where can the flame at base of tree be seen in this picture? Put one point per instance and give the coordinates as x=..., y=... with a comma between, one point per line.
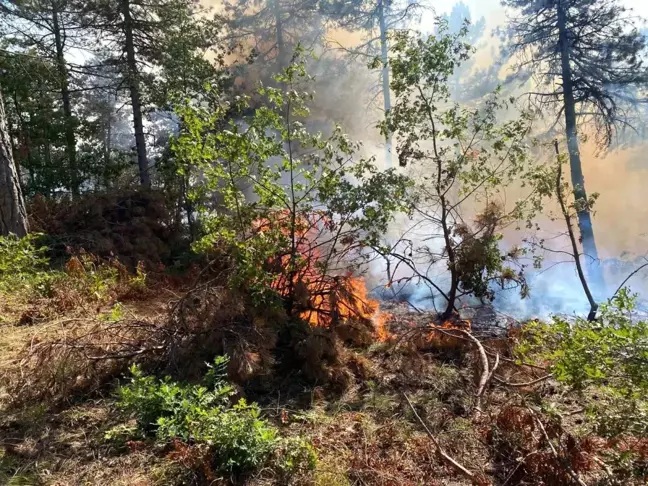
x=310, y=276
x=347, y=299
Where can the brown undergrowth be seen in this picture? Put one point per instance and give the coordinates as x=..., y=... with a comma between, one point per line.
x=350, y=399
x=136, y=225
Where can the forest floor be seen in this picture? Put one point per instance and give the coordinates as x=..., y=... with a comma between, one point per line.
x=366, y=434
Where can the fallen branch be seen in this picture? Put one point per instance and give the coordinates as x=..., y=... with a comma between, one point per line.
x=573, y=474
x=439, y=450
x=516, y=362
x=521, y=385
x=494, y=368
x=486, y=374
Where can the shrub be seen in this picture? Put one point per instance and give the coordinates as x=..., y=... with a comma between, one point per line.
x=296, y=454
x=25, y=270
x=607, y=358
x=611, y=353
x=23, y=265
x=237, y=439
x=165, y=407
x=101, y=279
x=308, y=205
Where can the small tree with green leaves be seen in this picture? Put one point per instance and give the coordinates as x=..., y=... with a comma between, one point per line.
x=295, y=211
x=463, y=160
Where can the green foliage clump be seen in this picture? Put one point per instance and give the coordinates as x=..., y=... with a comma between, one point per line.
x=461, y=158
x=606, y=359
x=24, y=265
x=611, y=352
x=279, y=188
x=238, y=438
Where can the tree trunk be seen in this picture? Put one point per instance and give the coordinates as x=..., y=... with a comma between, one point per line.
x=281, y=47
x=578, y=181
x=24, y=144
x=385, y=78
x=133, y=85
x=107, y=151
x=454, y=281
x=70, y=138
x=572, y=238
x=13, y=216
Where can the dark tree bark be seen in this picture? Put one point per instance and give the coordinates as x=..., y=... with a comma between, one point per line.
x=572, y=239
x=70, y=137
x=587, y=57
x=133, y=85
x=578, y=181
x=13, y=216
x=385, y=77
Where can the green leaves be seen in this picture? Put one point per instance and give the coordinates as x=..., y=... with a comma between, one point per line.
x=608, y=356
x=239, y=440
x=271, y=191
x=462, y=158
x=23, y=264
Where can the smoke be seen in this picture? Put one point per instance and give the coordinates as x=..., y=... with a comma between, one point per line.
x=347, y=92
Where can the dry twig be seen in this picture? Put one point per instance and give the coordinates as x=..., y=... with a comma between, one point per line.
x=480, y=481
x=632, y=274
x=521, y=385
x=572, y=474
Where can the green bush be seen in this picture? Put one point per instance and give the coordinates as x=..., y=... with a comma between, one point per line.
x=166, y=407
x=607, y=359
x=611, y=353
x=296, y=454
x=238, y=438
x=23, y=265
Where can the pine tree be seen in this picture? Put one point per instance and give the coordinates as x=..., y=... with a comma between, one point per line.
x=13, y=216
x=157, y=47
x=469, y=83
x=270, y=30
x=377, y=18
x=585, y=56
x=50, y=28
x=35, y=121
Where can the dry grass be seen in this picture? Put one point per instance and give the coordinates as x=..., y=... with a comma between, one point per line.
x=68, y=448
x=365, y=434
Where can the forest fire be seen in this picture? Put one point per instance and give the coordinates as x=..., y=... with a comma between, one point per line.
x=441, y=335
x=348, y=299
x=320, y=298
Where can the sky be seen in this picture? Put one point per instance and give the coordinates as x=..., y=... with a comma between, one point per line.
x=495, y=14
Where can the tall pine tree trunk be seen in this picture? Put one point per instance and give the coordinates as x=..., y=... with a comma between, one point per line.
x=13, y=216
x=70, y=137
x=385, y=77
x=107, y=151
x=577, y=179
x=133, y=85
x=281, y=46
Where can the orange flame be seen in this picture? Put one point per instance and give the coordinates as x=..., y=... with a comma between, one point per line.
x=440, y=339
x=321, y=299
x=350, y=301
